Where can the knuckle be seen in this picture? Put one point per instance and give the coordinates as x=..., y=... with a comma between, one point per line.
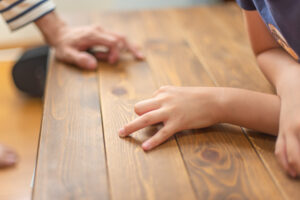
x=171, y=109
x=294, y=128
x=94, y=32
x=136, y=108
x=164, y=97
x=146, y=119
x=164, y=132
x=155, y=141
x=98, y=27
x=164, y=88
x=292, y=161
x=277, y=152
x=121, y=38
x=126, y=128
x=278, y=145
x=114, y=40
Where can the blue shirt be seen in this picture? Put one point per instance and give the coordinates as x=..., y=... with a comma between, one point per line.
x=282, y=17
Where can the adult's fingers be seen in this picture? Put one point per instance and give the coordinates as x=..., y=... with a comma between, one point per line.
x=293, y=154
x=161, y=136
x=95, y=37
x=102, y=55
x=80, y=58
x=134, y=50
x=8, y=157
x=143, y=121
x=114, y=55
x=115, y=42
x=145, y=106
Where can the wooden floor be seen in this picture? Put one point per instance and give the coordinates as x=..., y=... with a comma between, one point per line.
x=20, y=119
x=81, y=155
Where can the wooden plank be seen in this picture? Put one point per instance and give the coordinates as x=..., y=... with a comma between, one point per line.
x=217, y=161
x=71, y=160
x=182, y=64
x=135, y=174
x=213, y=42
x=210, y=153
x=240, y=70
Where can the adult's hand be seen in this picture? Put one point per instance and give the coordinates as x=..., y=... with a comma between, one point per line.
x=72, y=44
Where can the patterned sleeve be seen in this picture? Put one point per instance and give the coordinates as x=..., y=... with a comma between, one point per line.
x=246, y=4
x=18, y=13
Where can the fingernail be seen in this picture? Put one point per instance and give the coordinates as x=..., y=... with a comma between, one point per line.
x=122, y=132
x=141, y=55
x=146, y=146
x=293, y=174
x=91, y=64
x=11, y=160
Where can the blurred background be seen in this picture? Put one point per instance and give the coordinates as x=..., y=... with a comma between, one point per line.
x=30, y=36
x=63, y=5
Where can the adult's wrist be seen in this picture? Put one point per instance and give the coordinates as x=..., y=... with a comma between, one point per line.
x=52, y=28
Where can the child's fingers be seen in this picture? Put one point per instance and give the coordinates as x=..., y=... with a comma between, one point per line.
x=143, y=121
x=145, y=106
x=161, y=136
x=280, y=152
x=293, y=152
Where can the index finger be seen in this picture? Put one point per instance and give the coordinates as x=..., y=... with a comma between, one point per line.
x=143, y=121
x=137, y=53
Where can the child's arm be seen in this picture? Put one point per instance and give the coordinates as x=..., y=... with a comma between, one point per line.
x=181, y=108
x=273, y=60
x=284, y=73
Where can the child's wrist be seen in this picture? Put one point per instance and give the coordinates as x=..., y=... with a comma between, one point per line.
x=226, y=102
x=221, y=103
x=218, y=103
x=288, y=82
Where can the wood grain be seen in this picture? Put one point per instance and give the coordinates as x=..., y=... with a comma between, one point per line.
x=240, y=71
x=184, y=47
x=159, y=174
x=71, y=159
x=135, y=174
x=214, y=160
x=221, y=46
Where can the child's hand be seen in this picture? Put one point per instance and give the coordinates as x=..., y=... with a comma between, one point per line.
x=179, y=108
x=288, y=142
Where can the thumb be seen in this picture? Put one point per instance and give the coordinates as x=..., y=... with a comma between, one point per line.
x=82, y=59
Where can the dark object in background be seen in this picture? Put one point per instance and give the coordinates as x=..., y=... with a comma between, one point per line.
x=29, y=73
